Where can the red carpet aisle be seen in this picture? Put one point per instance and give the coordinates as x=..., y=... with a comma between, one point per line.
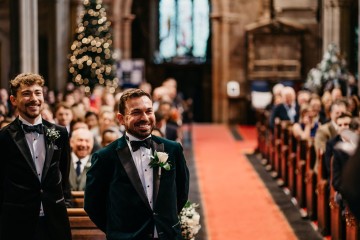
x=235, y=202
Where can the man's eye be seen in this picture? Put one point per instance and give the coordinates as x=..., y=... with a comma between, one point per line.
x=135, y=113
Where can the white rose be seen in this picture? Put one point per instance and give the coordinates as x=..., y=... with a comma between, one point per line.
x=162, y=157
x=196, y=217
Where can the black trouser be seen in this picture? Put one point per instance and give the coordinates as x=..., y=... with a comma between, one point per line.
x=42, y=232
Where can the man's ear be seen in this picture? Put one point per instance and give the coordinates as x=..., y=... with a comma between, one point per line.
x=120, y=118
x=13, y=100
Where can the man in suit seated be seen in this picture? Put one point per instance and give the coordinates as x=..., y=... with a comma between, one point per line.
x=168, y=130
x=287, y=110
x=109, y=135
x=342, y=122
x=328, y=130
x=81, y=143
x=342, y=154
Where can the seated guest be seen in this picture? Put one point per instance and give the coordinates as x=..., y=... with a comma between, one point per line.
x=63, y=115
x=316, y=107
x=354, y=105
x=81, y=143
x=287, y=109
x=328, y=131
x=169, y=131
x=157, y=132
x=342, y=122
x=341, y=157
x=109, y=135
x=326, y=102
x=5, y=122
x=76, y=124
x=307, y=126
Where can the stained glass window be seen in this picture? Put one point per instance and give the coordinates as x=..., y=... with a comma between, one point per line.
x=183, y=29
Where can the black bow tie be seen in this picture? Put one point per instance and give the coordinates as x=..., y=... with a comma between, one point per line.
x=36, y=128
x=135, y=145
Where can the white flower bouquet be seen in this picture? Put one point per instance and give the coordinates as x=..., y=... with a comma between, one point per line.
x=190, y=221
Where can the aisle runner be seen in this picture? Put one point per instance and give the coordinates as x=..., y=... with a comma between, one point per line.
x=236, y=203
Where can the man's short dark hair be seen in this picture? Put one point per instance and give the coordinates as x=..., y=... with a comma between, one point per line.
x=128, y=94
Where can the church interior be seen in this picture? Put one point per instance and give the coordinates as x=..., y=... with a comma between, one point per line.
x=226, y=57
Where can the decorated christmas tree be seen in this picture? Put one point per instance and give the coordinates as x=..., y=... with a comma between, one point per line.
x=91, y=57
x=331, y=72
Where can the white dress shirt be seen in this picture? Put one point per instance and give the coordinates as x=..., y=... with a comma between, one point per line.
x=141, y=159
x=36, y=143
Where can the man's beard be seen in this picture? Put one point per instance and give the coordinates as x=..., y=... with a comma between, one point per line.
x=139, y=134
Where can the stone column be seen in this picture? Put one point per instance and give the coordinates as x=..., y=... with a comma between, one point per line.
x=29, y=47
x=61, y=44
x=127, y=19
x=335, y=24
x=117, y=28
x=221, y=63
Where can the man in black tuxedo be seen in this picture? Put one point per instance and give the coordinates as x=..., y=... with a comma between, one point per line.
x=35, y=158
x=125, y=196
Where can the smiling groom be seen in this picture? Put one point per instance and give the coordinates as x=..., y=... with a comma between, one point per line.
x=130, y=193
x=34, y=173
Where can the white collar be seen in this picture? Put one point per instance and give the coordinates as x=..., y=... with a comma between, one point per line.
x=130, y=137
x=38, y=120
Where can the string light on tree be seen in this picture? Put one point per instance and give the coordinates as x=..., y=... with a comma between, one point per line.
x=91, y=57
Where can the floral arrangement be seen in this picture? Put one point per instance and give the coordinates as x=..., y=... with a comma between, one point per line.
x=160, y=159
x=190, y=221
x=329, y=72
x=52, y=134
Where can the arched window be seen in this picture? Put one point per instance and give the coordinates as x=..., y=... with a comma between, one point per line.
x=183, y=30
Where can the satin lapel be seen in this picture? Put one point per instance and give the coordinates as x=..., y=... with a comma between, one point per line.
x=126, y=160
x=49, y=153
x=158, y=148
x=18, y=135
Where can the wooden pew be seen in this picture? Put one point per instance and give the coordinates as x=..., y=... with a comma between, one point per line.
x=322, y=199
x=310, y=182
x=270, y=149
x=352, y=226
x=78, y=199
x=291, y=164
x=277, y=149
x=302, y=148
x=262, y=128
x=82, y=228
x=285, y=150
x=337, y=222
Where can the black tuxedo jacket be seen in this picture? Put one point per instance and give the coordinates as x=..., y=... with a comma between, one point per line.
x=21, y=191
x=280, y=111
x=116, y=201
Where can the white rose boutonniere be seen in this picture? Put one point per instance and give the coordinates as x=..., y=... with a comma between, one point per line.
x=52, y=134
x=160, y=159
